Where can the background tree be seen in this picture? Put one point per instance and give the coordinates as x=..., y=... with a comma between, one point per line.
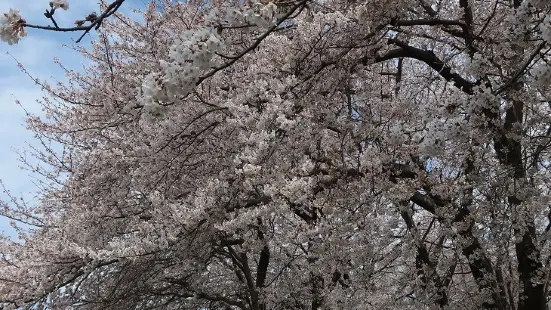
x=380, y=154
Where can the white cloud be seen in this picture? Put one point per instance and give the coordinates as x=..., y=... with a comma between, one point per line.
x=30, y=51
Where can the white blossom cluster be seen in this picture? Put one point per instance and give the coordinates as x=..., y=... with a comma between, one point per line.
x=542, y=74
x=259, y=14
x=396, y=135
x=11, y=27
x=477, y=65
x=191, y=55
x=189, y=58
x=152, y=95
x=545, y=28
x=434, y=139
x=60, y=4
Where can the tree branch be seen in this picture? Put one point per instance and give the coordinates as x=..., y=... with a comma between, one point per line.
x=110, y=10
x=427, y=22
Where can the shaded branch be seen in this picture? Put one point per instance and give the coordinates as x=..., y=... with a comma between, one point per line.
x=468, y=29
x=427, y=22
x=429, y=58
x=95, y=24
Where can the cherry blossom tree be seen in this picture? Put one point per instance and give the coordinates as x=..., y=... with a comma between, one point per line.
x=295, y=154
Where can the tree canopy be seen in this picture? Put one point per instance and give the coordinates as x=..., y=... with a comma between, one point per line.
x=294, y=154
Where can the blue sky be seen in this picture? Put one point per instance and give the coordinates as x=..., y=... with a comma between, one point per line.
x=36, y=53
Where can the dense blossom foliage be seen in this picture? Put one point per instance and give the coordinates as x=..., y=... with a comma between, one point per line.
x=295, y=154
